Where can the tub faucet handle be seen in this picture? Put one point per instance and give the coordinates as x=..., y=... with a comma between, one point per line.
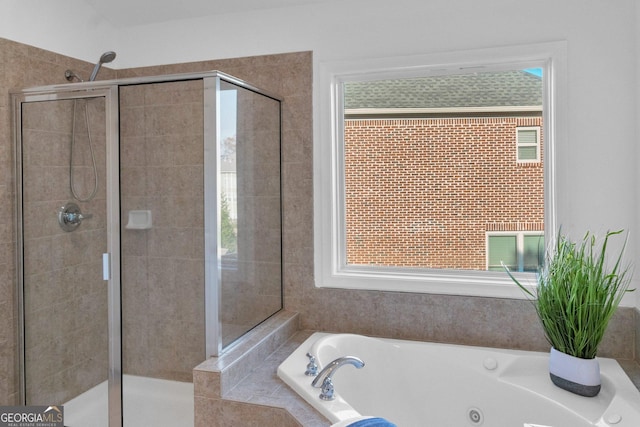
x=324, y=380
x=327, y=390
x=312, y=366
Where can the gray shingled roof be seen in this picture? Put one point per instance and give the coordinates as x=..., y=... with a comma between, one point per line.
x=490, y=89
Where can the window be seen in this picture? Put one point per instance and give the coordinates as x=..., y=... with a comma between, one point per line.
x=414, y=170
x=518, y=251
x=428, y=166
x=528, y=144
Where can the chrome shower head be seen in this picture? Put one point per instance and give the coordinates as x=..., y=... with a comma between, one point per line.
x=105, y=58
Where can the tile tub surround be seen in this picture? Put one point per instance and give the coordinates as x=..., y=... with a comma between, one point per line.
x=259, y=397
x=241, y=387
x=486, y=322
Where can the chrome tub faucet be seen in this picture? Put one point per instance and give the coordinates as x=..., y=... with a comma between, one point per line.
x=324, y=378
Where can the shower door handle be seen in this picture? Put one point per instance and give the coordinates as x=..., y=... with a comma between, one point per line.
x=106, y=266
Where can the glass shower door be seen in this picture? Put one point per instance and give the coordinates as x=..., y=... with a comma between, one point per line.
x=249, y=209
x=162, y=201
x=63, y=233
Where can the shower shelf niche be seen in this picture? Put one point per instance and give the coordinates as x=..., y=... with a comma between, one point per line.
x=139, y=220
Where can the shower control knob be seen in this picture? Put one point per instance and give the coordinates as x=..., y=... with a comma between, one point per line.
x=70, y=216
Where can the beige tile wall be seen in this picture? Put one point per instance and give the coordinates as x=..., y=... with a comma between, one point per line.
x=288, y=76
x=66, y=343
x=444, y=318
x=21, y=66
x=163, y=267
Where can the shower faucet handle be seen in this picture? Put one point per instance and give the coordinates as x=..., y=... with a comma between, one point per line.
x=76, y=218
x=70, y=216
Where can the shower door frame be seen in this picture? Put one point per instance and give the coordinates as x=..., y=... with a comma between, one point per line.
x=111, y=259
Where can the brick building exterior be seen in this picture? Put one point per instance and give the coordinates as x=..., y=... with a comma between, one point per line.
x=427, y=191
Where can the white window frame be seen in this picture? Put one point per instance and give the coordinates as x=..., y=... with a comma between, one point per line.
x=535, y=144
x=519, y=235
x=330, y=268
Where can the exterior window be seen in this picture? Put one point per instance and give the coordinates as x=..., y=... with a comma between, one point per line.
x=518, y=251
x=414, y=197
x=528, y=144
x=414, y=168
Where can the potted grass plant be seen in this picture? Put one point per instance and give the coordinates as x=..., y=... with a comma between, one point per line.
x=576, y=295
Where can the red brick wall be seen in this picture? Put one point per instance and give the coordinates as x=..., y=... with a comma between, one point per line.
x=424, y=192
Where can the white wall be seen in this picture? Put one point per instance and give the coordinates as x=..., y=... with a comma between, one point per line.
x=598, y=185
x=68, y=27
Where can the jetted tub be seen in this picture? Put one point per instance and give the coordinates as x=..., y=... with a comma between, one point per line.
x=418, y=384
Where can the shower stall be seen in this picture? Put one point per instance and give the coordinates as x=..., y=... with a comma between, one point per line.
x=149, y=237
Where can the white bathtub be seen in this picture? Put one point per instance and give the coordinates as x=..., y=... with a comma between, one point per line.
x=425, y=384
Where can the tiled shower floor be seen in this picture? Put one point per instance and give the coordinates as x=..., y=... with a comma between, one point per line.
x=146, y=402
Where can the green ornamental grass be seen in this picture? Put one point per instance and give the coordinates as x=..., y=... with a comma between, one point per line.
x=577, y=294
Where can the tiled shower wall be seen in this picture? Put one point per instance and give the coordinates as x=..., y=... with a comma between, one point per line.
x=470, y=320
x=66, y=342
x=162, y=171
x=24, y=66
x=251, y=277
x=161, y=161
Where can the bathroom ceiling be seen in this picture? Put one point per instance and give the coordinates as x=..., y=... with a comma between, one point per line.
x=125, y=13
